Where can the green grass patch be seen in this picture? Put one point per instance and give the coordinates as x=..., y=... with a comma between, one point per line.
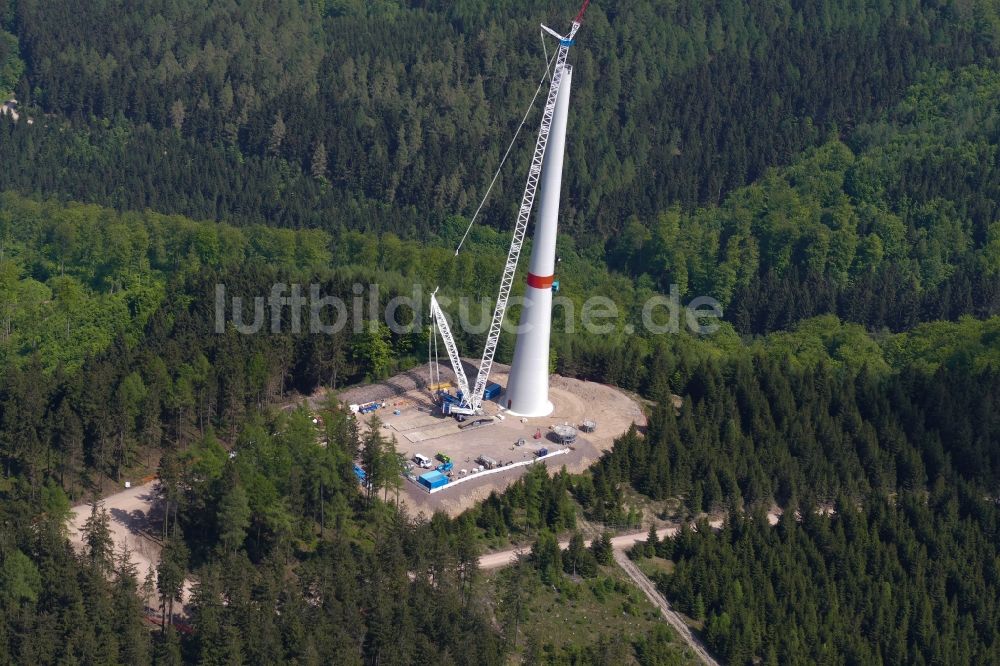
x=582, y=618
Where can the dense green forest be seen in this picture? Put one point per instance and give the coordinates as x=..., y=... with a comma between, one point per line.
x=828, y=171
x=58, y=607
x=907, y=580
x=895, y=227
x=887, y=548
x=810, y=433
x=393, y=115
x=878, y=236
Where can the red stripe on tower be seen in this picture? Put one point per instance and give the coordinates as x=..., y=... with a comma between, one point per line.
x=540, y=282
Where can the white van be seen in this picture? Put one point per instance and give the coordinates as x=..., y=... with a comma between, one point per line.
x=423, y=461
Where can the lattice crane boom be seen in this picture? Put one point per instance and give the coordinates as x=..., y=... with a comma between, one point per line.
x=471, y=401
x=437, y=316
x=475, y=399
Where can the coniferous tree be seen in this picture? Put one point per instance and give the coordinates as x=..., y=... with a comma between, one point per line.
x=97, y=538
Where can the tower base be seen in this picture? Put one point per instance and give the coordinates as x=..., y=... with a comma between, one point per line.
x=545, y=409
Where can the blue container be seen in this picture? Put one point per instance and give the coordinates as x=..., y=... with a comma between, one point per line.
x=432, y=480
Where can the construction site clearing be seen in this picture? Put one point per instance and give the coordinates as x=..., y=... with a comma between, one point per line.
x=490, y=451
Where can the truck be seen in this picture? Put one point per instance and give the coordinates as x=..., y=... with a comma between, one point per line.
x=367, y=407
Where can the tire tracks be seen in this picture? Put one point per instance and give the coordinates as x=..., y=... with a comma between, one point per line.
x=673, y=619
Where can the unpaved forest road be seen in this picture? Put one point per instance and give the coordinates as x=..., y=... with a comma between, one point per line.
x=675, y=620
x=505, y=558
x=620, y=544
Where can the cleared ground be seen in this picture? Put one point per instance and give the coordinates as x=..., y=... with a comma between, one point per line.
x=135, y=520
x=420, y=428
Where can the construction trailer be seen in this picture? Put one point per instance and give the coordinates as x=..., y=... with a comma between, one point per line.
x=432, y=480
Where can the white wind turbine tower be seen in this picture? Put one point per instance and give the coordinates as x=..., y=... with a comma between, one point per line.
x=527, y=391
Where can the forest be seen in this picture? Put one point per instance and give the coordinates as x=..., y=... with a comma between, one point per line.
x=828, y=171
x=393, y=115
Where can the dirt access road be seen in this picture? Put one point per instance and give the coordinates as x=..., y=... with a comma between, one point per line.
x=505, y=558
x=669, y=614
x=620, y=544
